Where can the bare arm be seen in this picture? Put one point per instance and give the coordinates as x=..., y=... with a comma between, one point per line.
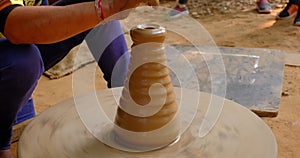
x=48, y=24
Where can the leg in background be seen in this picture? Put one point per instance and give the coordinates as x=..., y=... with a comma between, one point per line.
x=297, y=19
x=288, y=12
x=179, y=10
x=263, y=7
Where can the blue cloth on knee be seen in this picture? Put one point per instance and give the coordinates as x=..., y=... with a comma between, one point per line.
x=27, y=112
x=20, y=69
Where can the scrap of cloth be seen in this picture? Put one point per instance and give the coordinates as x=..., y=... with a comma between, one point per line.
x=78, y=57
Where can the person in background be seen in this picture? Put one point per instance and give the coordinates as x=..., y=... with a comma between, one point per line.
x=263, y=7
x=292, y=9
x=179, y=9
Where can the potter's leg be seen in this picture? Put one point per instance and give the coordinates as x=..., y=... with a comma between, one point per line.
x=106, y=41
x=20, y=68
x=108, y=46
x=53, y=53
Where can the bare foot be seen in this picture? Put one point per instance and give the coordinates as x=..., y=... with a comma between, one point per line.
x=6, y=154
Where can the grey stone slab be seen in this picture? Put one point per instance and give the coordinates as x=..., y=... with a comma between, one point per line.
x=252, y=77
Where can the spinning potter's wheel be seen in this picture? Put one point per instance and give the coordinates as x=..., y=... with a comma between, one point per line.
x=60, y=133
x=148, y=117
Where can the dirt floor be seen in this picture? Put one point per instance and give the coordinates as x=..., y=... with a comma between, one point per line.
x=240, y=29
x=249, y=29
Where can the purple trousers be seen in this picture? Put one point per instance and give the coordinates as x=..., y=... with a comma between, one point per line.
x=21, y=66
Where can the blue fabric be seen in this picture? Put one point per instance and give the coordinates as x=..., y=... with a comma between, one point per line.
x=20, y=68
x=27, y=112
x=102, y=41
x=53, y=53
x=22, y=65
x=44, y=2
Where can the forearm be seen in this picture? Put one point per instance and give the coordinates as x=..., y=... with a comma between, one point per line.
x=49, y=24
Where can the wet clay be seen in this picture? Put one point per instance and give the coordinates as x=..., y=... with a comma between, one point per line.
x=148, y=99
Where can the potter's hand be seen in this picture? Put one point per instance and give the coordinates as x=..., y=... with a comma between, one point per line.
x=107, y=8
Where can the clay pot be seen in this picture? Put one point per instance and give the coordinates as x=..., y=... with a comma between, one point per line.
x=147, y=105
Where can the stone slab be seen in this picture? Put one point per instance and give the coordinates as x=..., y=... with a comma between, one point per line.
x=254, y=76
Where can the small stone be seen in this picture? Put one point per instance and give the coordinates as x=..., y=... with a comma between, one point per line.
x=285, y=93
x=278, y=6
x=228, y=4
x=208, y=11
x=223, y=10
x=194, y=13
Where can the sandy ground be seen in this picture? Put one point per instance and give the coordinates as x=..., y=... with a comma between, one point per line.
x=243, y=29
x=262, y=31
